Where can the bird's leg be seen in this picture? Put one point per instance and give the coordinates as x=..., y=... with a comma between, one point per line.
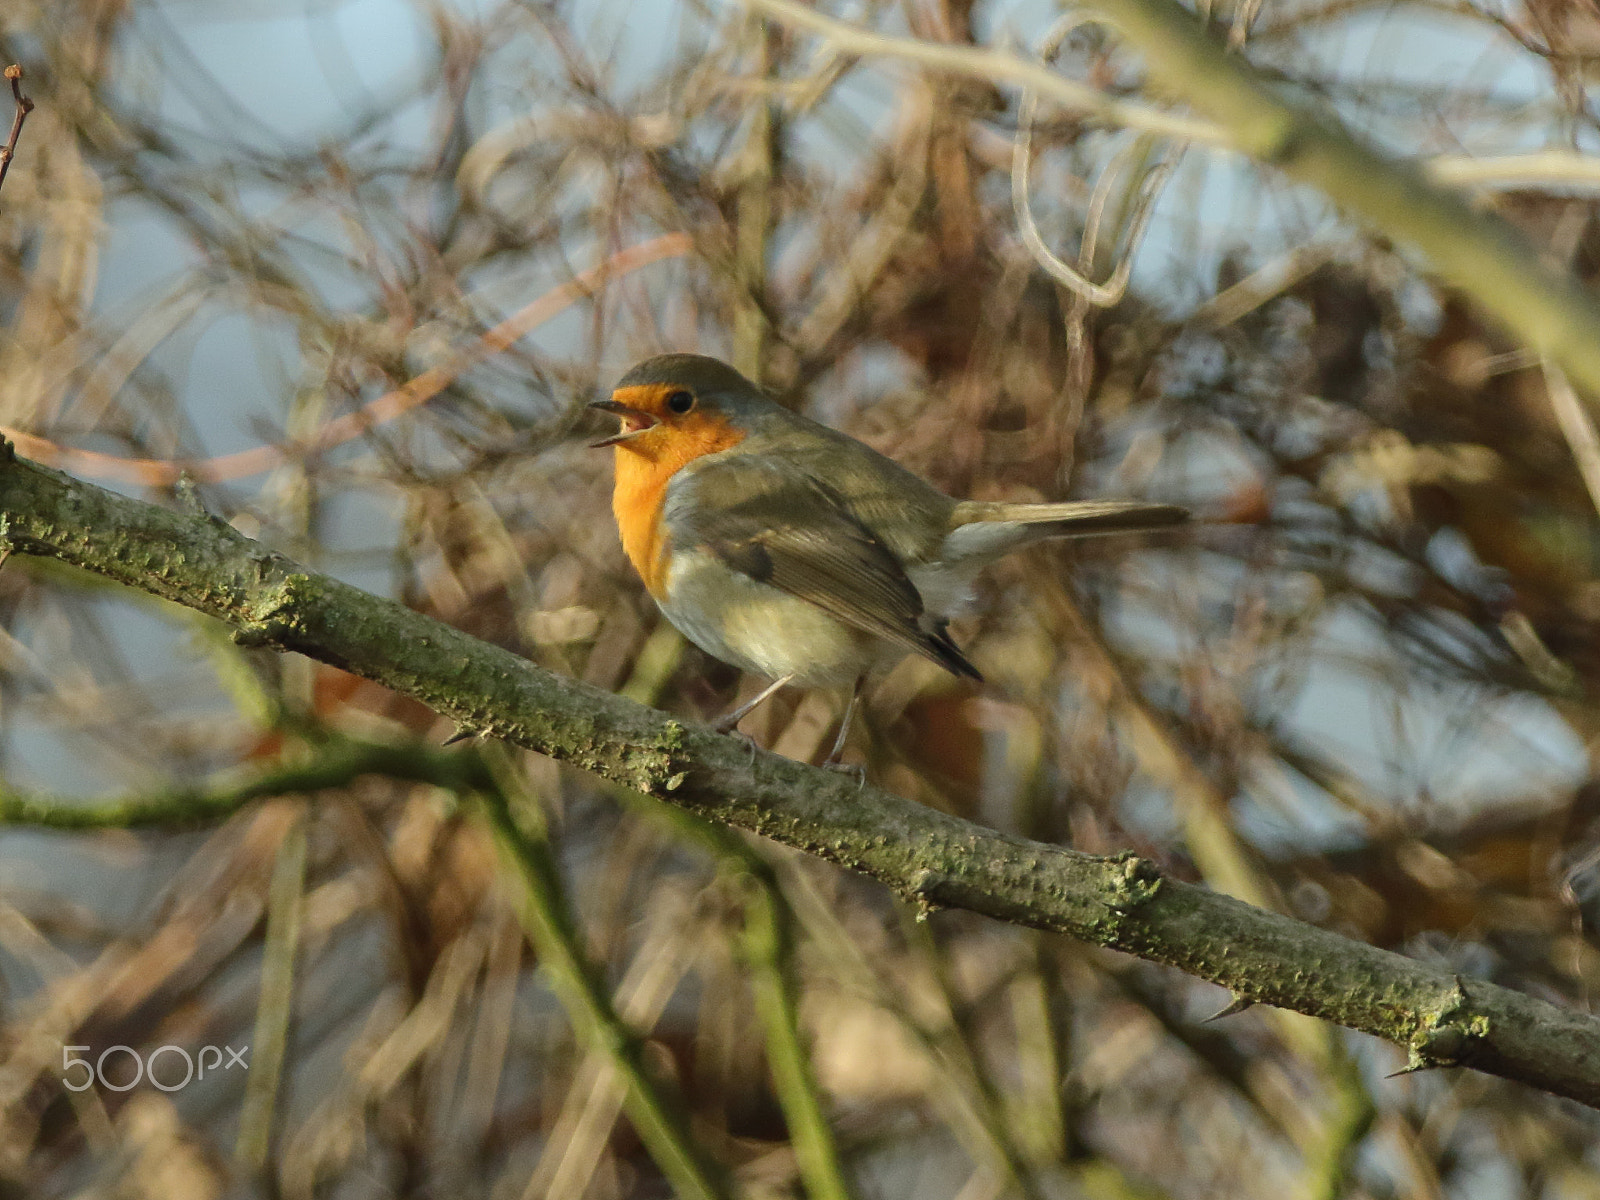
x=726, y=724
x=844, y=724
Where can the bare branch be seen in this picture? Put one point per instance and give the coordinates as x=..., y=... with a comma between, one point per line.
x=1537, y=168
x=1146, y=187
x=24, y=107
x=1577, y=426
x=993, y=66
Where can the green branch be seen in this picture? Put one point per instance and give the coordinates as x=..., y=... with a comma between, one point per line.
x=660, y=1121
x=334, y=764
x=925, y=856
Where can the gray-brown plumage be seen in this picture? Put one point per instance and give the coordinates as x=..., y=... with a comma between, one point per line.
x=794, y=551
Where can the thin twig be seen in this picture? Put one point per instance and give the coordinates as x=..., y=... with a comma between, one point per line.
x=656, y=1112
x=1261, y=285
x=767, y=946
x=1577, y=427
x=1554, y=167
x=993, y=66
x=24, y=107
x=1146, y=189
x=285, y=894
x=335, y=763
x=1243, y=18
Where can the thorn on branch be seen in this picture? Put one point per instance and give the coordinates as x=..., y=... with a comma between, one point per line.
x=24, y=107
x=1234, y=1007
x=1415, y=1062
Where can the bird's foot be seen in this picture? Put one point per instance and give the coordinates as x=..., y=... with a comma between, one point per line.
x=726, y=722
x=858, y=771
x=749, y=743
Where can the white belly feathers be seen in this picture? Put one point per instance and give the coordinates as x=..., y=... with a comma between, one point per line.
x=760, y=629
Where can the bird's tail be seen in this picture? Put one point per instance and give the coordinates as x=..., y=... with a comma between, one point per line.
x=981, y=530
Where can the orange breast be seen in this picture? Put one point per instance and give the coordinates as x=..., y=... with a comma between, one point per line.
x=637, y=502
x=645, y=465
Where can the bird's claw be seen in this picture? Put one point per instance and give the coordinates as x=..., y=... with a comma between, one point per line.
x=737, y=735
x=843, y=768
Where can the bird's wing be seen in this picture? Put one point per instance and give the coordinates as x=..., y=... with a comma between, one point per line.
x=782, y=526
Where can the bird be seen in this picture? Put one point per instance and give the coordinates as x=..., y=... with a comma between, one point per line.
x=795, y=552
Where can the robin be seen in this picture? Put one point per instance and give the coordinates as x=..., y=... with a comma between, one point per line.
x=795, y=552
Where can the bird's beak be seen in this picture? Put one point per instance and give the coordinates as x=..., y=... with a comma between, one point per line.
x=634, y=422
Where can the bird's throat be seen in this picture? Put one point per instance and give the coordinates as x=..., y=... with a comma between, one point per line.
x=637, y=500
x=645, y=466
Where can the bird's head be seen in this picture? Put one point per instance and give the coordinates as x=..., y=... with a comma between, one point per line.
x=682, y=405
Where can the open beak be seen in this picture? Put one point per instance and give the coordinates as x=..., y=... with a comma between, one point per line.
x=634, y=422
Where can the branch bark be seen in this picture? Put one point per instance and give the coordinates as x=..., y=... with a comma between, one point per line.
x=927, y=857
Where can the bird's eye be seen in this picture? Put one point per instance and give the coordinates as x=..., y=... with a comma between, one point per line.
x=680, y=402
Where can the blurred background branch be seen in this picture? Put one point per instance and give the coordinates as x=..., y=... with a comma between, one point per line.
x=22, y=106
